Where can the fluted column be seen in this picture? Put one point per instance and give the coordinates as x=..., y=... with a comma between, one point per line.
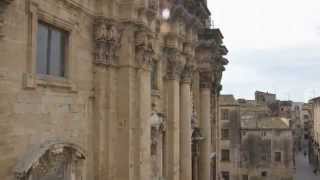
x=205, y=125
x=174, y=68
x=185, y=125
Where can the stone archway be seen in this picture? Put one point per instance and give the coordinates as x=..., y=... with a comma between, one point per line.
x=52, y=161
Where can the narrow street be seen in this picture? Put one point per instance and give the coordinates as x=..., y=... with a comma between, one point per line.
x=303, y=169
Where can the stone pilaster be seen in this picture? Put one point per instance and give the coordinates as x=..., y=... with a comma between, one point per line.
x=174, y=68
x=185, y=124
x=205, y=125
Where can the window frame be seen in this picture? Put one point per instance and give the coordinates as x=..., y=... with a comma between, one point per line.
x=225, y=131
x=225, y=114
x=50, y=28
x=277, y=158
x=223, y=159
x=31, y=79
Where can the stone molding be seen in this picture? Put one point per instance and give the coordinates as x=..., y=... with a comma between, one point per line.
x=107, y=36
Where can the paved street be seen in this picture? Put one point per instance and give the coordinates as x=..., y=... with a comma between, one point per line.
x=304, y=170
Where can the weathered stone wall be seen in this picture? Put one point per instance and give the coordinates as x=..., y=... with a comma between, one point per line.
x=258, y=149
x=34, y=111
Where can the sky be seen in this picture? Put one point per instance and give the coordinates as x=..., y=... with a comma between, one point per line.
x=274, y=46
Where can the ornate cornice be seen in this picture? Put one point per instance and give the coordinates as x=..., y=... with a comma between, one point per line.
x=174, y=64
x=107, y=36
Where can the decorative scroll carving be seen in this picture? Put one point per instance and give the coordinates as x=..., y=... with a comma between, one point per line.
x=174, y=64
x=107, y=38
x=144, y=48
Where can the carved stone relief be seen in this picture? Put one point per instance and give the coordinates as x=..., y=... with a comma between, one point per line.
x=144, y=48
x=107, y=38
x=3, y=6
x=174, y=64
x=51, y=162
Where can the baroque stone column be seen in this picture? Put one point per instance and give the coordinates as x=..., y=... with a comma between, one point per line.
x=174, y=68
x=205, y=125
x=107, y=40
x=144, y=55
x=185, y=124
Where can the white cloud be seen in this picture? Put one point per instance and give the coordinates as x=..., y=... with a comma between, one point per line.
x=274, y=46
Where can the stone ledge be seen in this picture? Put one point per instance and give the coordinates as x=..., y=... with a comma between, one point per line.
x=32, y=81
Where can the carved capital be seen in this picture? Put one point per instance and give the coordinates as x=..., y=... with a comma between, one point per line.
x=107, y=37
x=144, y=49
x=205, y=79
x=3, y=5
x=187, y=72
x=174, y=64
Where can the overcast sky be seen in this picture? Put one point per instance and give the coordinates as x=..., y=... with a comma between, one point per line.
x=274, y=46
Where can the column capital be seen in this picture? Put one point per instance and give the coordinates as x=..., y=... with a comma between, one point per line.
x=174, y=64
x=144, y=49
x=187, y=72
x=205, y=79
x=107, y=36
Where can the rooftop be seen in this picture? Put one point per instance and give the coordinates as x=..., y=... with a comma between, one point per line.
x=266, y=123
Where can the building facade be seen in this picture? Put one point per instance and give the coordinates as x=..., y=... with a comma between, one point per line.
x=102, y=90
x=229, y=144
x=314, y=143
x=266, y=149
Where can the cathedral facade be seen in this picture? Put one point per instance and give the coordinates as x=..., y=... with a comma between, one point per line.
x=109, y=90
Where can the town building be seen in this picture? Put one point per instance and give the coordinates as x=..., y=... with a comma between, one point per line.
x=109, y=90
x=266, y=149
x=314, y=146
x=229, y=138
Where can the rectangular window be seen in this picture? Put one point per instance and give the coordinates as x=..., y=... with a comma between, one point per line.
x=225, y=155
x=51, y=47
x=225, y=114
x=225, y=134
x=225, y=175
x=277, y=157
x=245, y=177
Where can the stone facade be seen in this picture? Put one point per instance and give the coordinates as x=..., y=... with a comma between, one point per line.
x=229, y=142
x=130, y=90
x=314, y=146
x=266, y=149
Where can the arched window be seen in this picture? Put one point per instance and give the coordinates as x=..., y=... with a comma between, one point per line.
x=52, y=161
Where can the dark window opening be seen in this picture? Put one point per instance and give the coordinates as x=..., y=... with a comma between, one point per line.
x=225, y=134
x=154, y=75
x=278, y=156
x=264, y=173
x=225, y=175
x=245, y=177
x=225, y=155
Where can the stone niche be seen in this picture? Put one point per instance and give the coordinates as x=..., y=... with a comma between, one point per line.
x=53, y=161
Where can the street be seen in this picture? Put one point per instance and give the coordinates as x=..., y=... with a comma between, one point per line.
x=303, y=169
